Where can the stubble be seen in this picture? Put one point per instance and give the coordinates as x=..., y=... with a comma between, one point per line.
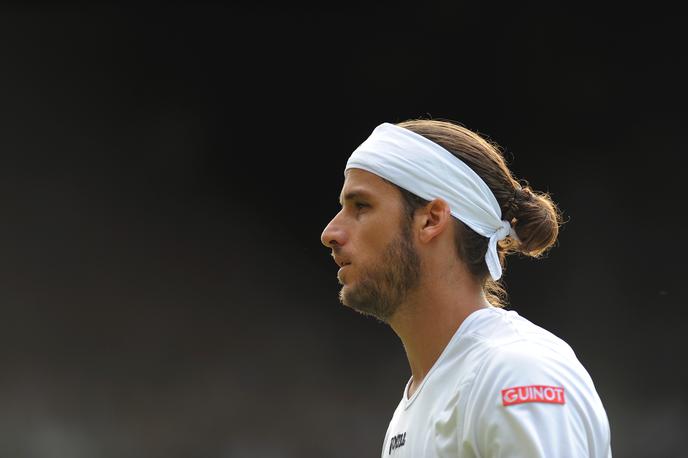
x=383, y=287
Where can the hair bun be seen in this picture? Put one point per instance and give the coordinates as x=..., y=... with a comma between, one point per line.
x=537, y=221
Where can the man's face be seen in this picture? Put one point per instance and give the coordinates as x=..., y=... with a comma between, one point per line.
x=371, y=241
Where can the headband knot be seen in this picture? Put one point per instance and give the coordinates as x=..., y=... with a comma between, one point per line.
x=503, y=231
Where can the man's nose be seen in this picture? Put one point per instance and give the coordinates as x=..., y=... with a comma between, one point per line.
x=334, y=233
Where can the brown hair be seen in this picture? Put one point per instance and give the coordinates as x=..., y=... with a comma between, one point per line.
x=533, y=215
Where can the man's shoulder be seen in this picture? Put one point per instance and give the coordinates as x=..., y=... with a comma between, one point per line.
x=504, y=345
x=502, y=330
x=527, y=355
x=529, y=381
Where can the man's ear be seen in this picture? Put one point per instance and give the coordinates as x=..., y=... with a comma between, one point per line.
x=433, y=219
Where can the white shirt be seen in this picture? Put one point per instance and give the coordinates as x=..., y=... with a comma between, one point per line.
x=502, y=387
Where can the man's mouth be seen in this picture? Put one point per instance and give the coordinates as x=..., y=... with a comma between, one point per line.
x=341, y=262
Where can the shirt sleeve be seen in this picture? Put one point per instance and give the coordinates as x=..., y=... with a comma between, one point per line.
x=526, y=403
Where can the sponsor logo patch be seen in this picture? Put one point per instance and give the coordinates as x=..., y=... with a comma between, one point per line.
x=533, y=393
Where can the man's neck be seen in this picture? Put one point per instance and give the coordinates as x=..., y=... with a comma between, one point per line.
x=429, y=319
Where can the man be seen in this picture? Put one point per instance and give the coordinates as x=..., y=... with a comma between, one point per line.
x=429, y=211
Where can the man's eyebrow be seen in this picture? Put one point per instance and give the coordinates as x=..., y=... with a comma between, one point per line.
x=352, y=195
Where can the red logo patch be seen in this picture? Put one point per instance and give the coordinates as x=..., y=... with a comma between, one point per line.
x=533, y=393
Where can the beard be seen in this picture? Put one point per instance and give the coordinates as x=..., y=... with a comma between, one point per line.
x=383, y=287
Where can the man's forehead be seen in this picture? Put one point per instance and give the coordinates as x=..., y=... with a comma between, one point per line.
x=355, y=177
x=359, y=183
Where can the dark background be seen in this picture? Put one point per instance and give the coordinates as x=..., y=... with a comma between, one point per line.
x=166, y=171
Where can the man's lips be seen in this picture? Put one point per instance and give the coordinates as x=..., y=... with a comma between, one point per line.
x=341, y=262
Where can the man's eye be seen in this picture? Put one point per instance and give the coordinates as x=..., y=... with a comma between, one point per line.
x=360, y=205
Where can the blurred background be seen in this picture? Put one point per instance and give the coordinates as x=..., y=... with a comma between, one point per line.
x=166, y=170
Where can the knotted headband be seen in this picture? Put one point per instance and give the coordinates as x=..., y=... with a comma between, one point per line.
x=429, y=171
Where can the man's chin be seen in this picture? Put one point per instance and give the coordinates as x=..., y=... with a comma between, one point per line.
x=344, y=295
x=347, y=296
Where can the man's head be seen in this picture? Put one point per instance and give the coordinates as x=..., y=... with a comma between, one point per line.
x=390, y=256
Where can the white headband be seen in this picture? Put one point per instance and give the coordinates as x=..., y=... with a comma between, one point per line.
x=429, y=171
